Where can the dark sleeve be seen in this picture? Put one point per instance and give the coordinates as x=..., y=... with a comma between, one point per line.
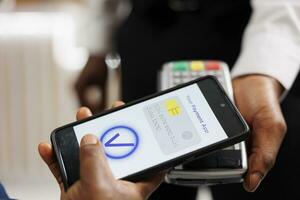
x=3, y=195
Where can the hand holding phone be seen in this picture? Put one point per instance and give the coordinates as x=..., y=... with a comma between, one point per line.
x=97, y=181
x=156, y=132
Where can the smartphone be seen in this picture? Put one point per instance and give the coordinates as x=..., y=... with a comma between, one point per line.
x=156, y=132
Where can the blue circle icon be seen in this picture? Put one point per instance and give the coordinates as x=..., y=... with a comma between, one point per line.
x=119, y=142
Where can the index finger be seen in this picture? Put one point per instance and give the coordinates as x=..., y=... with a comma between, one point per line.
x=83, y=113
x=46, y=153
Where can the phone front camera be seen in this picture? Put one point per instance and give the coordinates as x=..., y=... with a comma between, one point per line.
x=223, y=105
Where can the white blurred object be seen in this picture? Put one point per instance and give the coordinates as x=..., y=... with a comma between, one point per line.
x=38, y=64
x=204, y=193
x=113, y=60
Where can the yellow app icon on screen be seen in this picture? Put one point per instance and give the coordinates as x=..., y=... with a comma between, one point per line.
x=173, y=108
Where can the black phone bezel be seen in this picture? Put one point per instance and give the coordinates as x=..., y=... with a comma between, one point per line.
x=66, y=147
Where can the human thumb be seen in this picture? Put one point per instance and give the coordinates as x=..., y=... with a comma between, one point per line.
x=93, y=164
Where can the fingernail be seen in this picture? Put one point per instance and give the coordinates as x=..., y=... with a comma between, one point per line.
x=255, y=180
x=89, y=139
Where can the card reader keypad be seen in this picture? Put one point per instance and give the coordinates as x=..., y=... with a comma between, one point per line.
x=184, y=71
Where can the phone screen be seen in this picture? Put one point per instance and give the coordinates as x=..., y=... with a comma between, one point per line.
x=155, y=131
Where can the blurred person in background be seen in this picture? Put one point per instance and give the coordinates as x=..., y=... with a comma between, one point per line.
x=259, y=39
